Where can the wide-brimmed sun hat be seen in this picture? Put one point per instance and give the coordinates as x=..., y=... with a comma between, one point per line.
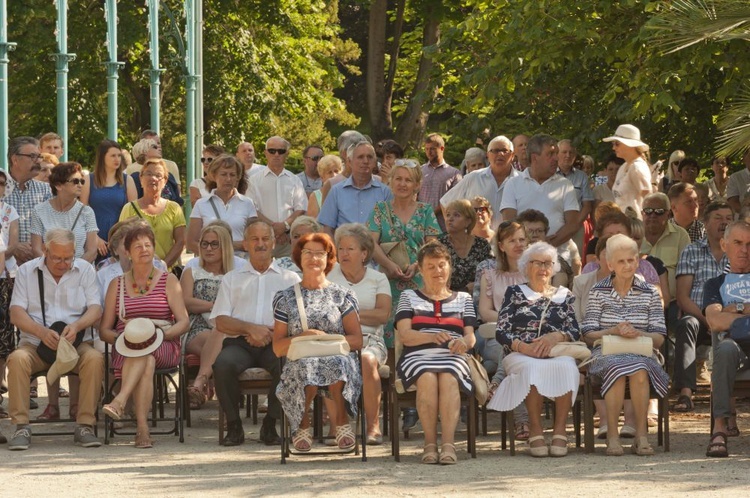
x=66, y=360
x=629, y=135
x=140, y=337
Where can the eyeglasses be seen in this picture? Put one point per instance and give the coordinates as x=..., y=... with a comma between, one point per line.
x=542, y=264
x=154, y=146
x=313, y=158
x=56, y=260
x=76, y=181
x=656, y=211
x=499, y=151
x=214, y=244
x=276, y=151
x=481, y=209
x=536, y=231
x=314, y=254
x=33, y=157
x=407, y=163
x=206, y=159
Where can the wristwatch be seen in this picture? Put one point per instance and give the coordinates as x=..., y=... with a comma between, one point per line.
x=740, y=307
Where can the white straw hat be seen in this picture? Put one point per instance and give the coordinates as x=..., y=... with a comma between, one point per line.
x=139, y=338
x=629, y=135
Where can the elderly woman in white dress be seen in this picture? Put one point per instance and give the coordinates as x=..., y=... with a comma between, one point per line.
x=536, y=316
x=625, y=305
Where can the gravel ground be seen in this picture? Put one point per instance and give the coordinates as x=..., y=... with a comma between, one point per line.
x=53, y=466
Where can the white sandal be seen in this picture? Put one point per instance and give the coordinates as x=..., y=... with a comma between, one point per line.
x=559, y=451
x=302, y=436
x=538, y=451
x=342, y=432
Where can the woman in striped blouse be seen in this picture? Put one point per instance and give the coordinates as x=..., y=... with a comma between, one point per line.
x=625, y=305
x=436, y=328
x=145, y=292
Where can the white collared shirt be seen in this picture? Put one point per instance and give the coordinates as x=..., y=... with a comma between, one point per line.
x=247, y=295
x=64, y=301
x=236, y=212
x=480, y=183
x=277, y=196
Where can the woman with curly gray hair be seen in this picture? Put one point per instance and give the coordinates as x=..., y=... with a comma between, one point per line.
x=536, y=316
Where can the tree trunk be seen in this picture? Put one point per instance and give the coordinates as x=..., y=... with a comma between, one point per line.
x=375, y=80
x=413, y=123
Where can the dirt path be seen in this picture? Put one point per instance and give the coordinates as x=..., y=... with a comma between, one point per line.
x=54, y=467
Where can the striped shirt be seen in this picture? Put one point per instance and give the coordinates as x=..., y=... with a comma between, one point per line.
x=24, y=200
x=697, y=260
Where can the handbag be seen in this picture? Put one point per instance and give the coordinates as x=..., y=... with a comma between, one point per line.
x=615, y=344
x=479, y=378
x=307, y=346
x=396, y=251
x=577, y=350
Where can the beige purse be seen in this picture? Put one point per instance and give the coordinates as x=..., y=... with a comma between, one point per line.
x=577, y=350
x=396, y=251
x=479, y=378
x=615, y=344
x=314, y=345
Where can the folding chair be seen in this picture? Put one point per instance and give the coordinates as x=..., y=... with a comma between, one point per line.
x=359, y=438
x=61, y=420
x=163, y=378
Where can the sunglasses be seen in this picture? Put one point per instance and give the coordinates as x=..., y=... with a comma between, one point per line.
x=656, y=211
x=498, y=151
x=205, y=160
x=407, y=163
x=276, y=151
x=481, y=209
x=313, y=158
x=76, y=181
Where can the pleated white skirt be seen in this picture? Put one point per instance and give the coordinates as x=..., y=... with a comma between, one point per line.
x=552, y=377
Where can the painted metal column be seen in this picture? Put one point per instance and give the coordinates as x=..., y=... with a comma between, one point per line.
x=199, y=83
x=5, y=47
x=62, y=58
x=155, y=72
x=190, y=91
x=113, y=66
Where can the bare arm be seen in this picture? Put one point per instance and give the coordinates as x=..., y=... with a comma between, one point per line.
x=177, y=305
x=195, y=195
x=378, y=315
x=85, y=191
x=130, y=189
x=36, y=246
x=178, y=236
x=12, y=239
x=107, y=324
x=720, y=318
x=509, y=214
x=411, y=337
x=91, y=247
x=312, y=206
x=486, y=305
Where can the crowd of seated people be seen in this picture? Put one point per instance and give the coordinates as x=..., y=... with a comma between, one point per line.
x=400, y=261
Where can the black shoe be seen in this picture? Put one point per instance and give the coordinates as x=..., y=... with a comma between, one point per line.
x=410, y=419
x=33, y=405
x=268, y=434
x=235, y=434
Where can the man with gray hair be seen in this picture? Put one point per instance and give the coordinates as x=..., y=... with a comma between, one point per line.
x=726, y=301
x=345, y=140
x=352, y=200
x=246, y=155
x=56, y=298
x=278, y=194
x=488, y=182
x=23, y=192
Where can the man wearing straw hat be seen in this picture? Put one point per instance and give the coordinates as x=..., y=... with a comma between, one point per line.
x=56, y=299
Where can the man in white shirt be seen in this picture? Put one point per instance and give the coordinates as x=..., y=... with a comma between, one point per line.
x=309, y=177
x=278, y=194
x=243, y=311
x=70, y=299
x=541, y=187
x=487, y=182
x=246, y=155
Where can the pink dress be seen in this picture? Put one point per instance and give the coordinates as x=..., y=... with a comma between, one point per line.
x=153, y=305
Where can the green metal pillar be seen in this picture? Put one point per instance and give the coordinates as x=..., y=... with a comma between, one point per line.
x=155, y=72
x=5, y=47
x=62, y=58
x=110, y=13
x=190, y=91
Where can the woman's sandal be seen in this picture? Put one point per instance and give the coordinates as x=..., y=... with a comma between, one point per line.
x=522, y=431
x=113, y=411
x=345, y=437
x=143, y=440
x=538, y=451
x=558, y=451
x=684, y=404
x=302, y=436
x=614, y=448
x=430, y=454
x=717, y=449
x=733, y=430
x=197, y=397
x=448, y=454
x=641, y=447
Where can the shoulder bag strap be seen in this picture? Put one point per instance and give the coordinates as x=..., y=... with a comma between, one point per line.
x=41, y=295
x=541, y=320
x=300, y=307
x=121, y=311
x=402, y=233
x=77, y=216
x=135, y=208
x=216, y=211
